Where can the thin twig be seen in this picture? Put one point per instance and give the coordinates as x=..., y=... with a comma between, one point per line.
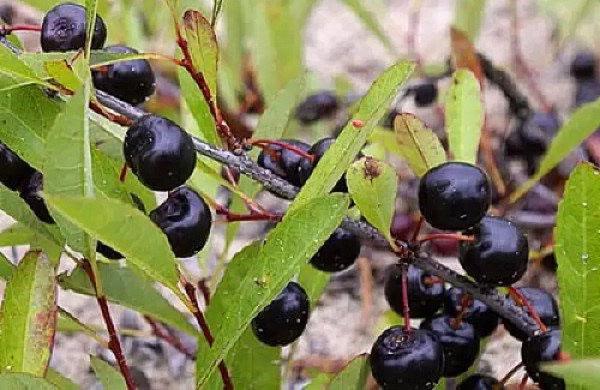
x=169, y=338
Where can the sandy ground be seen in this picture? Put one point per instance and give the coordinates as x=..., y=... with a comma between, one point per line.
x=338, y=44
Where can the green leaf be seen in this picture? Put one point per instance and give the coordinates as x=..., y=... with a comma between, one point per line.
x=116, y=283
x=464, y=116
x=15, y=73
x=68, y=167
x=26, y=115
x=584, y=373
x=107, y=374
x=6, y=267
x=370, y=20
x=372, y=185
x=257, y=275
x=468, y=15
x=202, y=44
x=60, y=381
x=314, y=282
x=68, y=323
x=584, y=121
x=125, y=229
x=577, y=252
x=62, y=73
x=351, y=140
x=353, y=376
x=417, y=144
x=195, y=103
x=276, y=118
x=91, y=8
x=23, y=381
x=28, y=316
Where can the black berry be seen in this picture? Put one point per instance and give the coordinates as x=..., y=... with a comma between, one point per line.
x=337, y=253
x=160, y=153
x=284, y=319
x=14, y=171
x=586, y=92
x=407, y=359
x=476, y=313
x=186, y=220
x=459, y=340
x=107, y=251
x=454, y=196
x=480, y=382
x=283, y=162
x=131, y=81
x=425, y=94
x=30, y=193
x=499, y=254
x=305, y=168
x=63, y=29
x=538, y=349
x=544, y=305
x=584, y=66
x=317, y=106
x=424, y=296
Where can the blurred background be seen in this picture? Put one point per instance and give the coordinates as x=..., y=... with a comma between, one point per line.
x=342, y=45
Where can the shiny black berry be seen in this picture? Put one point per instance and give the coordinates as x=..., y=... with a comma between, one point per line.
x=107, y=251
x=538, y=349
x=586, y=91
x=160, y=153
x=131, y=81
x=424, y=296
x=480, y=382
x=317, y=106
x=476, y=313
x=283, y=162
x=14, y=171
x=584, y=66
x=454, y=196
x=305, y=168
x=425, y=94
x=337, y=253
x=186, y=220
x=545, y=306
x=284, y=319
x=63, y=29
x=459, y=340
x=499, y=254
x=30, y=193
x=407, y=359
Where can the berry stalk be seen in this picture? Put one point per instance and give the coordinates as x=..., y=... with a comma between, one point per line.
x=405, y=307
x=5, y=30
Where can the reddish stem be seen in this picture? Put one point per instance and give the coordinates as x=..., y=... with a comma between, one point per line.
x=169, y=338
x=446, y=236
x=417, y=229
x=116, y=118
x=405, y=308
x=465, y=302
x=431, y=280
x=264, y=143
x=523, y=382
x=253, y=216
x=123, y=173
x=113, y=343
x=522, y=301
x=204, y=290
x=4, y=30
x=190, y=290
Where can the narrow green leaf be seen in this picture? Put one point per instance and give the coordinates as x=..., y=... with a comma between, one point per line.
x=577, y=252
x=68, y=323
x=351, y=140
x=60, y=381
x=26, y=115
x=68, y=170
x=28, y=319
x=353, y=376
x=195, y=103
x=117, y=281
x=314, y=282
x=15, y=72
x=468, y=15
x=91, y=8
x=107, y=374
x=277, y=116
x=256, y=276
x=19, y=234
x=23, y=381
x=583, y=122
x=6, y=267
x=372, y=185
x=125, y=229
x=370, y=20
x=464, y=116
x=62, y=73
x=202, y=44
x=584, y=373
x=417, y=144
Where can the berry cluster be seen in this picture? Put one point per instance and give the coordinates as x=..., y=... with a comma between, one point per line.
x=494, y=252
